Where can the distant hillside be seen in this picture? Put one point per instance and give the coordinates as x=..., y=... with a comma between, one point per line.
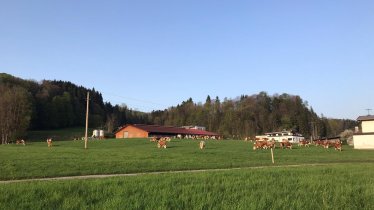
x=60, y=104
x=249, y=115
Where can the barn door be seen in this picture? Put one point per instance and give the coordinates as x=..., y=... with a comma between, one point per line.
x=126, y=134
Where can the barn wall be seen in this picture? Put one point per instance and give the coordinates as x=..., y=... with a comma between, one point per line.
x=367, y=126
x=363, y=141
x=132, y=132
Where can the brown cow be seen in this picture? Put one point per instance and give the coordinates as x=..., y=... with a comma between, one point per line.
x=161, y=144
x=168, y=139
x=318, y=143
x=285, y=144
x=304, y=143
x=270, y=144
x=325, y=144
x=260, y=145
x=49, y=142
x=338, y=145
x=155, y=139
x=21, y=142
x=202, y=145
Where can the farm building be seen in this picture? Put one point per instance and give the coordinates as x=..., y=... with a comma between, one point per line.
x=145, y=131
x=364, y=136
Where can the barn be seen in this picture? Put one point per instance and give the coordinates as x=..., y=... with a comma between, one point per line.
x=145, y=131
x=364, y=136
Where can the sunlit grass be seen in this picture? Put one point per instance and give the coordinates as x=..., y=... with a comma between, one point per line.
x=67, y=158
x=342, y=186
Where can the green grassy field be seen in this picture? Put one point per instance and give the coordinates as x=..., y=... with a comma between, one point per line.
x=342, y=186
x=345, y=182
x=59, y=134
x=67, y=158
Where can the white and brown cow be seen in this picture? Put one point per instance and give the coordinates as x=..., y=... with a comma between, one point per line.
x=260, y=145
x=21, y=142
x=285, y=144
x=338, y=145
x=161, y=144
x=202, y=145
x=304, y=143
x=49, y=142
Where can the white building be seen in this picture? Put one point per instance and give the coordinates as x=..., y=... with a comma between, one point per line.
x=194, y=127
x=281, y=136
x=364, y=138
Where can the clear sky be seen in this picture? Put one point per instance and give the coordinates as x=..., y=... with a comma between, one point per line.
x=155, y=54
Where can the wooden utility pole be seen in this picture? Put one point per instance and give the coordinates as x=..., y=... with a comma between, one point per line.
x=85, y=136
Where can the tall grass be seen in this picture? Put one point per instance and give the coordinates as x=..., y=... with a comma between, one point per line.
x=67, y=158
x=342, y=186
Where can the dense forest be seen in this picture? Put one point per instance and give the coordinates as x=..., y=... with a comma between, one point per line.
x=31, y=105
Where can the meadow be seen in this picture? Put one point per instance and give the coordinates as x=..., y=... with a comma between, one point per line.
x=339, y=180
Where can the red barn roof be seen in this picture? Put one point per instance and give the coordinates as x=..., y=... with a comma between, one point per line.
x=170, y=130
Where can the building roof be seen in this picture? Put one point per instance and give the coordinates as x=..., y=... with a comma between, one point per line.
x=365, y=118
x=169, y=130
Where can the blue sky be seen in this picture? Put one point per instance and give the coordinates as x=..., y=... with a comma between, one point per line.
x=155, y=54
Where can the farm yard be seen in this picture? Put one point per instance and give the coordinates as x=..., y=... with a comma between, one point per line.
x=303, y=177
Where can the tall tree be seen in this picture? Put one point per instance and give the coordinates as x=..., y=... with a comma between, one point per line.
x=15, y=112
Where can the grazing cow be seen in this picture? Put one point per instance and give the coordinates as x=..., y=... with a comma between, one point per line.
x=318, y=143
x=161, y=144
x=270, y=144
x=260, y=145
x=21, y=142
x=154, y=139
x=304, y=143
x=202, y=145
x=285, y=144
x=338, y=145
x=325, y=144
x=247, y=139
x=49, y=142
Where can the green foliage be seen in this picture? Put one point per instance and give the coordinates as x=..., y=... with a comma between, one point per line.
x=15, y=112
x=252, y=115
x=347, y=137
x=59, y=104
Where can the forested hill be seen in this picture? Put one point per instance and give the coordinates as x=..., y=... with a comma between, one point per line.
x=56, y=104
x=59, y=104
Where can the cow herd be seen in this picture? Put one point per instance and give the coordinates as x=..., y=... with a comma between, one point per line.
x=285, y=144
x=337, y=144
x=162, y=142
x=23, y=142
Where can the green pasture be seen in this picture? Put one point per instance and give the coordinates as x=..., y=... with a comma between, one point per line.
x=58, y=134
x=338, y=186
x=114, y=156
x=339, y=180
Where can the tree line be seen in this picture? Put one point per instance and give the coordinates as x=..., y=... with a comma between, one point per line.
x=250, y=115
x=31, y=105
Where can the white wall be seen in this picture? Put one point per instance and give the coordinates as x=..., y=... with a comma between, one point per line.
x=367, y=126
x=363, y=141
